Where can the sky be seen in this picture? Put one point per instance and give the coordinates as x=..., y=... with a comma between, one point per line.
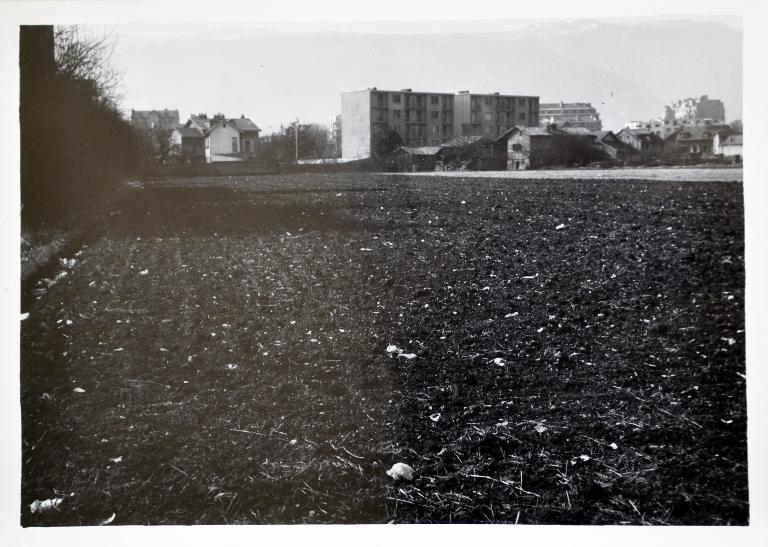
x=276, y=72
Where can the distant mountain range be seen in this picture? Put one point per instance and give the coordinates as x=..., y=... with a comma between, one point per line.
x=628, y=70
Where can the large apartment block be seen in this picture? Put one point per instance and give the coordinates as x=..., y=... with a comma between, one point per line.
x=575, y=114
x=426, y=118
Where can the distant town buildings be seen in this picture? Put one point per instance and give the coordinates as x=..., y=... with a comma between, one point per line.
x=692, y=109
x=428, y=118
x=575, y=114
x=684, y=114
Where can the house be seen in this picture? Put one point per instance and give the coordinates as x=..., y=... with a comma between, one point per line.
x=531, y=147
x=201, y=122
x=607, y=144
x=729, y=145
x=188, y=143
x=421, y=158
x=695, y=141
x=233, y=139
x=477, y=153
x=646, y=144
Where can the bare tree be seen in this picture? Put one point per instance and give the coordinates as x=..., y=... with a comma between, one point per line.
x=86, y=59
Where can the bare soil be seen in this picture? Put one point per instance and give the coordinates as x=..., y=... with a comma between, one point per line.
x=579, y=354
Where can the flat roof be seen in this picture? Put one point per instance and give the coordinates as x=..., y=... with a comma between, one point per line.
x=451, y=93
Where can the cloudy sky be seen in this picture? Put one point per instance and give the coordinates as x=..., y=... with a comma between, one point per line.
x=273, y=73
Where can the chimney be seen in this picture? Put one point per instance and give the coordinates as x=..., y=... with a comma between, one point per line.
x=551, y=126
x=242, y=116
x=407, y=90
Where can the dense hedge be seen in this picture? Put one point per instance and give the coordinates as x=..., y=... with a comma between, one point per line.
x=74, y=144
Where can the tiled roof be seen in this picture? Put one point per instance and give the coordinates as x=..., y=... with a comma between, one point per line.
x=421, y=150
x=538, y=131
x=583, y=131
x=459, y=142
x=643, y=135
x=240, y=124
x=188, y=131
x=244, y=124
x=734, y=140
x=533, y=131
x=202, y=122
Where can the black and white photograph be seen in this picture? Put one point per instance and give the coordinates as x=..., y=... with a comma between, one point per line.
x=467, y=265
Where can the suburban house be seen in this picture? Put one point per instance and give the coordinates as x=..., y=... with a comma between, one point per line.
x=477, y=152
x=188, y=142
x=729, y=145
x=420, y=158
x=644, y=143
x=528, y=147
x=694, y=141
x=233, y=139
x=201, y=122
x=608, y=145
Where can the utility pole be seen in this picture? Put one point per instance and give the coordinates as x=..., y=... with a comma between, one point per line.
x=296, y=133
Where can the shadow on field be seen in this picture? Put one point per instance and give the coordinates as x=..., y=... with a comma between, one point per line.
x=564, y=353
x=222, y=212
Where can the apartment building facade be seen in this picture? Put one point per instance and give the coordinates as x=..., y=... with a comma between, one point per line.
x=575, y=114
x=428, y=118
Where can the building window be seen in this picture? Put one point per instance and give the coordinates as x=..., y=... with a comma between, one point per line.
x=521, y=116
x=396, y=128
x=434, y=99
x=435, y=129
x=234, y=145
x=516, y=147
x=487, y=116
x=488, y=101
x=396, y=114
x=434, y=114
x=521, y=102
x=396, y=99
x=247, y=145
